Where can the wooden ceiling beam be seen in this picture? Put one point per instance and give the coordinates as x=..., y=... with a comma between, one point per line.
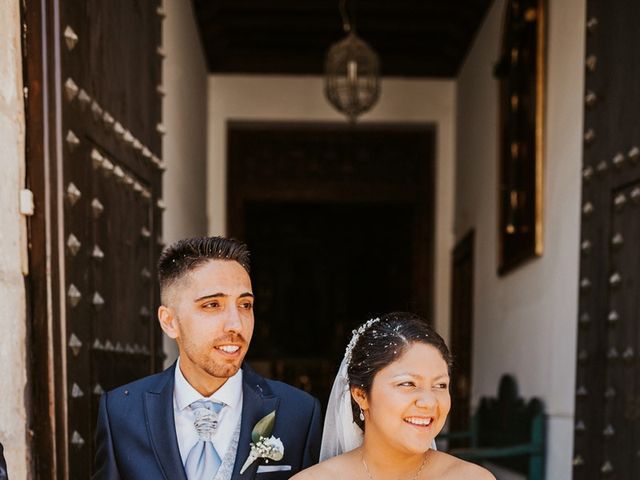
x=416, y=26
x=314, y=66
x=290, y=43
x=432, y=7
x=315, y=62
x=291, y=36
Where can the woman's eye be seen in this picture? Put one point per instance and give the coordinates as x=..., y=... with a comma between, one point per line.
x=211, y=305
x=247, y=305
x=442, y=386
x=407, y=384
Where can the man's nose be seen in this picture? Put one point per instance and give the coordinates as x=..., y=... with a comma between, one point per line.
x=233, y=321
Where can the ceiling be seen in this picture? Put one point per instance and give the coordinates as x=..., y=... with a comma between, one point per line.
x=414, y=38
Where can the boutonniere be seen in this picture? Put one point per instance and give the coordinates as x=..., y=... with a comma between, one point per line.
x=263, y=444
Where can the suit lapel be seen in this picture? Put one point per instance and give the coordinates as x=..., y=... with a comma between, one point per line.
x=158, y=406
x=257, y=402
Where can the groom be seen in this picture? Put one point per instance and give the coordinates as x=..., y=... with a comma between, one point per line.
x=194, y=420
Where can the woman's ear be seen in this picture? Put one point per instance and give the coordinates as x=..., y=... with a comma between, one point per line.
x=168, y=321
x=360, y=396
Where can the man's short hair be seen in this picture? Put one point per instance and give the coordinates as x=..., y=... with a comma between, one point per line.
x=185, y=255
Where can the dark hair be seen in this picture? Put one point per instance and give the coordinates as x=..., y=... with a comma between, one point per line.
x=383, y=343
x=185, y=255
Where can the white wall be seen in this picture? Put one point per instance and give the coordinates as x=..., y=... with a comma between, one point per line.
x=184, y=113
x=13, y=415
x=291, y=98
x=525, y=322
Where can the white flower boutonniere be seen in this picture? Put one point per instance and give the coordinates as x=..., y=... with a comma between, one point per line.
x=263, y=444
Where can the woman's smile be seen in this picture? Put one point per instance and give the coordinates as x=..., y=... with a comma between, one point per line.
x=419, y=421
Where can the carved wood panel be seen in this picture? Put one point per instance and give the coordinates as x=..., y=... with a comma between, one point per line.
x=109, y=71
x=607, y=413
x=278, y=160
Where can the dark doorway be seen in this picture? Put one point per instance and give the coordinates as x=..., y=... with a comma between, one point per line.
x=320, y=270
x=347, y=238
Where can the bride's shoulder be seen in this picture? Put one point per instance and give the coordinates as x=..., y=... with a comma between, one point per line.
x=328, y=470
x=454, y=468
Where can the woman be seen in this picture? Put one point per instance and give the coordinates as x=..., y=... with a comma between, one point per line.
x=388, y=403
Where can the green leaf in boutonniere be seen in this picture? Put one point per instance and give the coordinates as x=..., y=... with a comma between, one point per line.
x=263, y=444
x=264, y=427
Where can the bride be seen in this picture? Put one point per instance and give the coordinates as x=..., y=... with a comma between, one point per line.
x=389, y=401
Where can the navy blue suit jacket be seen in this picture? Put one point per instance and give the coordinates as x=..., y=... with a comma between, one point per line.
x=136, y=436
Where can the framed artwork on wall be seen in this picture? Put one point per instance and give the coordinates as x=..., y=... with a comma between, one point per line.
x=520, y=72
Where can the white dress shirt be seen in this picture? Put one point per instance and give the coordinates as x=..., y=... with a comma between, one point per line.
x=230, y=394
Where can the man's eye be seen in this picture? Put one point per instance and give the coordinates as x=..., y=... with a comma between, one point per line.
x=407, y=384
x=247, y=305
x=442, y=386
x=211, y=305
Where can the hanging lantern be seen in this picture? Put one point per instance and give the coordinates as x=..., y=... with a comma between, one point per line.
x=352, y=74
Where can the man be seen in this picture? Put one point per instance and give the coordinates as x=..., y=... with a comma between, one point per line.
x=195, y=420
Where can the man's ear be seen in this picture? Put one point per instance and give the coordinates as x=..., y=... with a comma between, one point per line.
x=168, y=321
x=360, y=397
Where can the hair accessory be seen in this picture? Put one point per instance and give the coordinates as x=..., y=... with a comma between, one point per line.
x=354, y=339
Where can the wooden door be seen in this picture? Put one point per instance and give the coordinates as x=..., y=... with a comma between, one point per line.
x=94, y=139
x=607, y=405
x=462, y=332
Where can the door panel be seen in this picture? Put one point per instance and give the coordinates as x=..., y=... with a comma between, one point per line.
x=607, y=412
x=102, y=76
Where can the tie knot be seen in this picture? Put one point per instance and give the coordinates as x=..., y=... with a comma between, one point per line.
x=206, y=418
x=208, y=404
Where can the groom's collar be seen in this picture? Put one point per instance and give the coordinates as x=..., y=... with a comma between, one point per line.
x=250, y=380
x=229, y=394
x=258, y=401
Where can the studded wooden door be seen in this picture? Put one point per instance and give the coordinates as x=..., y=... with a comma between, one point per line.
x=104, y=115
x=607, y=428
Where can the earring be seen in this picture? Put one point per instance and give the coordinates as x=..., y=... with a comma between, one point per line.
x=361, y=414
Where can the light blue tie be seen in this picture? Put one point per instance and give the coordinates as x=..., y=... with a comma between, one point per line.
x=203, y=461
